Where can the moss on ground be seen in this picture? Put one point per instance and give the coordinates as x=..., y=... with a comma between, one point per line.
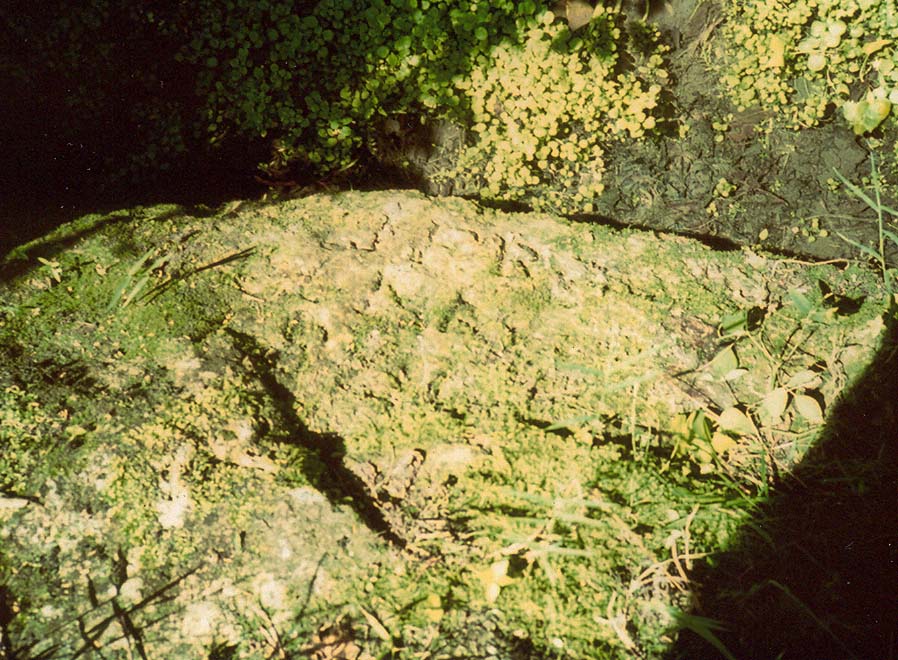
x=395, y=426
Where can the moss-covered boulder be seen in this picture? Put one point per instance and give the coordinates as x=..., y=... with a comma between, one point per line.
x=361, y=424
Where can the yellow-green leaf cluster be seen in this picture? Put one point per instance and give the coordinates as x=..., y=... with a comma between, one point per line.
x=543, y=114
x=800, y=58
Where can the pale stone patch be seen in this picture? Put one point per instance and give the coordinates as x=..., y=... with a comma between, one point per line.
x=177, y=504
x=201, y=620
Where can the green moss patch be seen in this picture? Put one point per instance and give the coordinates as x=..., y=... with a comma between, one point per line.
x=399, y=425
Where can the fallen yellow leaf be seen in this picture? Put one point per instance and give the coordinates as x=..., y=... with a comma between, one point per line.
x=493, y=578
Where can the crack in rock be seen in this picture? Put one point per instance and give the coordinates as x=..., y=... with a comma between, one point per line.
x=339, y=483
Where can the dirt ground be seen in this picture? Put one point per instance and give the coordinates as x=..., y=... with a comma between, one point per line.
x=781, y=179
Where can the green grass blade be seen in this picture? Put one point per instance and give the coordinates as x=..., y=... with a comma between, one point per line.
x=892, y=236
x=137, y=265
x=857, y=192
x=866, y=249
x=117, y=294
x=126, y=280
x=888, y=209
x=704, y=628
x=141, y=283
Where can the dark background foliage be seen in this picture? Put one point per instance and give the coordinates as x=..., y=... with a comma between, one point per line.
x=118, y=102
x=98, y=112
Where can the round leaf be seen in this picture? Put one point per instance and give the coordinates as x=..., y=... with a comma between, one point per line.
x=774, y=404
x=735, y=374
x=736, y=421
x=724, y=362
x=875, y=112
x=831, y=39
x=578, y=14
x=722, y=443
x=801, y=379
x=816, y=61
x=807, y=407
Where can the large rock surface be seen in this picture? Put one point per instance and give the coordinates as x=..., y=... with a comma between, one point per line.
x=225, y=431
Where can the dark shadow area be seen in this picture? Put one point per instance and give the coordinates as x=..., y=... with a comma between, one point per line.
x=29, y=213
x=54, y=168
x=815, y=574
x=102, y=110
x=74, y=81
x=34, y=206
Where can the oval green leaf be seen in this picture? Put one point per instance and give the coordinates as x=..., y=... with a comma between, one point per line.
x=722, y=443
x=801, y=379
x=734, y=420
x=774, y=404
x=724, y=362
x=807, y=407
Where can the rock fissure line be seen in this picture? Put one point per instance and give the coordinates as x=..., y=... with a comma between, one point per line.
x=340, y=484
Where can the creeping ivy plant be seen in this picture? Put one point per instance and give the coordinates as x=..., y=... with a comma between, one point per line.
x=799, y=58
x=542, y=98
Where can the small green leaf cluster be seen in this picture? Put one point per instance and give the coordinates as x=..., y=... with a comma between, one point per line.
x=800, y=58
x=23, y=422
x=544, y=109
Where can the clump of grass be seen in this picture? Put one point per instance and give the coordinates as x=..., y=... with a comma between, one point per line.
x=878, y=254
